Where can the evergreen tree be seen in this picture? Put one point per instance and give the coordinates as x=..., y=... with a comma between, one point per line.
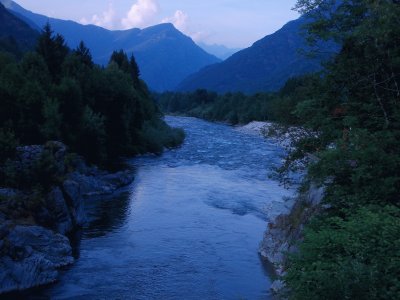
x=134, y=71
x=84, y=54
x=53, y=50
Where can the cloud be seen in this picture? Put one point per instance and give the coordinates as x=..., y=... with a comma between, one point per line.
x=179, y=19
x=107, y=19
x=141, y=14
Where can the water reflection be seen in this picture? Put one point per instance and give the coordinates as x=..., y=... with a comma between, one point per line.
x=106, y=214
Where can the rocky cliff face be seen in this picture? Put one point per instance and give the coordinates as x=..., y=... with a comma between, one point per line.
x=34, y=228
x=285, y=231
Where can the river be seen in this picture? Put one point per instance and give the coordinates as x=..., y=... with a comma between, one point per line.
x=189, y=226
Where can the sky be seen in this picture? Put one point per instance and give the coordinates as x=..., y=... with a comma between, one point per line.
x=233, y=23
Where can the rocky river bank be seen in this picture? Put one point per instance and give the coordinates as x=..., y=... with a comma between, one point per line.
x=35, y=223
x=286, y=229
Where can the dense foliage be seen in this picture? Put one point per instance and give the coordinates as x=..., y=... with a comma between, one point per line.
x=353, y=251
x=238, y=108
x=233, y=108
x=56, y=93
x=356, y=257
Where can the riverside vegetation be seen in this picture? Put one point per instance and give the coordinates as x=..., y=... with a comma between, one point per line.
x=351, y=248
x=58, y=112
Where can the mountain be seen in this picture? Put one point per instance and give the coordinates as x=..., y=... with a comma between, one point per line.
x=165, y=55
x=219, y=51
x=15, y=35
x=265, y=66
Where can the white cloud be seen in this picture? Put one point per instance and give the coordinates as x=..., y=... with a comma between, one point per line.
x=179, y=19
x=107, y=19
x=141, y=14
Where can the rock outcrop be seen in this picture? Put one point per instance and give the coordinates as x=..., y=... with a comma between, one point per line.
x=34, y=228
x=285, y=231
x=30, y=256
x=95, y=182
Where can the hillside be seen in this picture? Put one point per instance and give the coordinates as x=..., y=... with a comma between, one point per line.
x=165, y=55
x=265, y=66
x=15, y=35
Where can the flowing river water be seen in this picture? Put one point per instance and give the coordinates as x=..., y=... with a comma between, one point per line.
x=189, y=226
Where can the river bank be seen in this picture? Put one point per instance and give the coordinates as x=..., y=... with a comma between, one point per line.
x=36, y=226
x=285, y=231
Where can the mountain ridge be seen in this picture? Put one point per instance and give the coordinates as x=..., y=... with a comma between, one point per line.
x=16, y=36
x=165, y=55
x=263, y=67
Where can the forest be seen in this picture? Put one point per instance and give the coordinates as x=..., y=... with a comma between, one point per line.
x=351, y=249
x=58, y=94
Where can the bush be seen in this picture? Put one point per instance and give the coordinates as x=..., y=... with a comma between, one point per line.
x=353, y=258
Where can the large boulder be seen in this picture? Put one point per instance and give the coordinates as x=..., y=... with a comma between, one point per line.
x=31, y=256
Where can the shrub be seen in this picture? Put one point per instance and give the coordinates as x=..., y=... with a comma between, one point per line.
x=353, y=258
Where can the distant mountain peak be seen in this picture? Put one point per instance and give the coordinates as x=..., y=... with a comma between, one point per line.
x=169, y=26
x=220, y=51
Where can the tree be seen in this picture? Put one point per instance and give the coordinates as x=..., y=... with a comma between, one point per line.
x=121, y=60
x=134, y=71
x=84, y=54
x=53, y=49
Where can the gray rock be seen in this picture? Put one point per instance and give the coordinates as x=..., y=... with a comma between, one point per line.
x=277, y=286
x=90, y=185
x=286, y=229
x=102, y=183
x=118, y=179
x=32, y=257
x=55, y=247
x=59, y=210
x=74, y=196
x=315, y=194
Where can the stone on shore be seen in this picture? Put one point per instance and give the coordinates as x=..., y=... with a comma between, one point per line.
x=30, y=256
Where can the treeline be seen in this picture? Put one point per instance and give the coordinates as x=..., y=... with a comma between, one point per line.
x=57, y=93
x=351, y=250
x=238, y=108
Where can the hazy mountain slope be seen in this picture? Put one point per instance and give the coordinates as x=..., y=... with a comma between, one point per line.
x=265, y=66
x=165, y=55
x=15, y=35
